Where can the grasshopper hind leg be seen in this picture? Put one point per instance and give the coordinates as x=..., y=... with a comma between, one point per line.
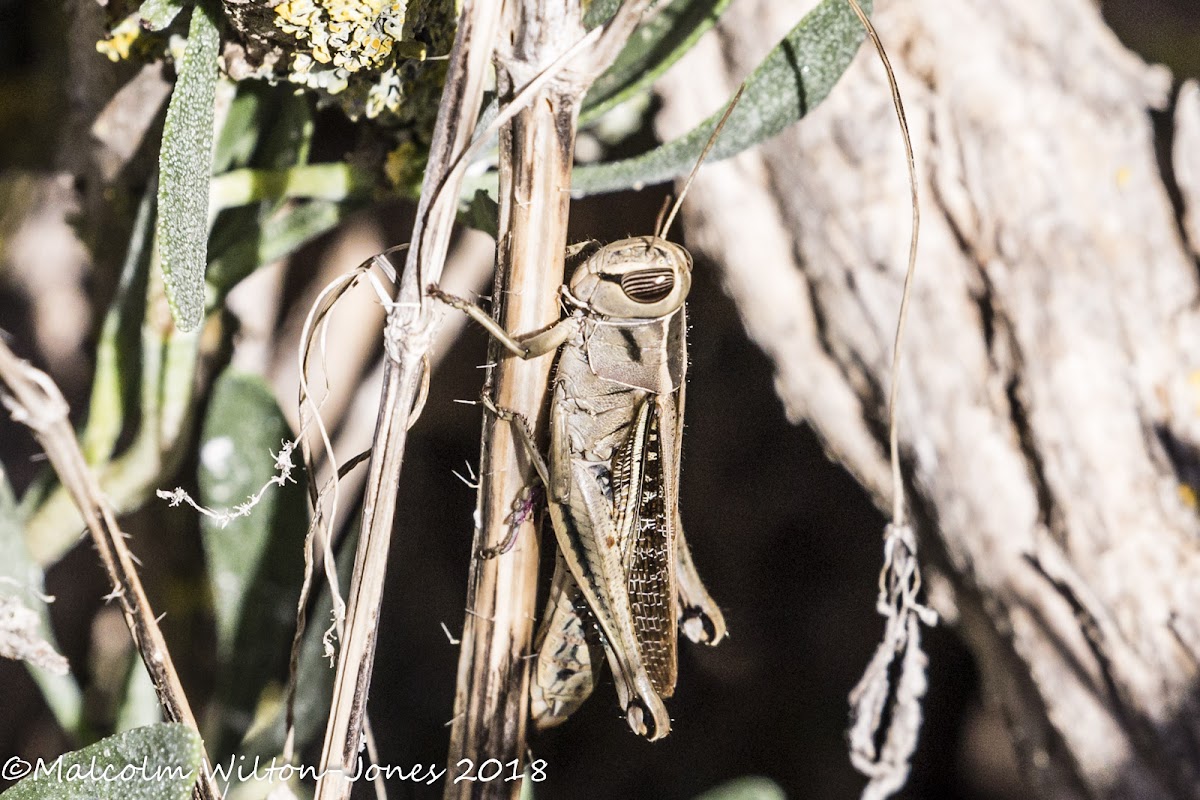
x=699, y=617
x=595, y=561
x=569, y=654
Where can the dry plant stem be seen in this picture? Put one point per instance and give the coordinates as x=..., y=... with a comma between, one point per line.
x=898, y=509
x=33, y=400
x=410, y=328
x=491, y=706
x=492, y=700
x=886, y=704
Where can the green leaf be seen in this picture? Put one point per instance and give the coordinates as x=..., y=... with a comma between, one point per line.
x=158, y=762
x=255, y=562
x=166, y=400
x=753, y=787
x=335, y=180
x=266, y=126
x=653, y=48
x=481, y=213
x=243, y=122
x=158, y=14
x=185, y=164
x=794, y=77
x=291, y=227
x=269, y=128
x=289, y=131
x=242, y=430
x=118, y=367
x=599, y=12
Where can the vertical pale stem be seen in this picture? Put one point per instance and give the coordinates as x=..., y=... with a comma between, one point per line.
x=410, y=331
x=492, y=699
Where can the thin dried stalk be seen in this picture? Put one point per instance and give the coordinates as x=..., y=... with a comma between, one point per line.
x=491, y=699
x=537, y=152
x=33, y=400
x=875, y=698
x=410, y=328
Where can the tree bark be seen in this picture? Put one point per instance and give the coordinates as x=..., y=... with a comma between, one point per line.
x=1050, y=399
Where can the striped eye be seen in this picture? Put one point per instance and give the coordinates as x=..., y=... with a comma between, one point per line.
x=648, y=285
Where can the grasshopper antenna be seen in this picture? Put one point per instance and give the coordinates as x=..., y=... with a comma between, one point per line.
x=712, y=140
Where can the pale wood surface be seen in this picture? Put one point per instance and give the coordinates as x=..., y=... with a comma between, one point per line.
x=1050, y=405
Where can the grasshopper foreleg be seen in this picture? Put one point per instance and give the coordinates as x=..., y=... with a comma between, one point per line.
x=523, y=508
x=529, y=497
x=531, y=345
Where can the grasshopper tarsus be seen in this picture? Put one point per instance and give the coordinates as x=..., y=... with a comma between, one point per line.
x=642, y=721
x=495, y=551
x=436, y=293
x=510, y=415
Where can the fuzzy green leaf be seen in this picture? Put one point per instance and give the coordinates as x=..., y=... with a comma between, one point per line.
x=652, y=49
x=185, y=164
x=599, y=12
x=279, y=235
x=794, y=77
x=158, y=762
x=242, y=429
x=254, y=562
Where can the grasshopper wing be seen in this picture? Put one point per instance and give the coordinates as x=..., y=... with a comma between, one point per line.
x=645, y=506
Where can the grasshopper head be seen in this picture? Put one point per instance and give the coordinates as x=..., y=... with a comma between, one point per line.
x=640, y=278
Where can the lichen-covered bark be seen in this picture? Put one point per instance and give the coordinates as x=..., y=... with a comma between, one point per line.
x=1050, y=404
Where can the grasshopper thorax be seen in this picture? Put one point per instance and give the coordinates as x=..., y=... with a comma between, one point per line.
x=636, y=279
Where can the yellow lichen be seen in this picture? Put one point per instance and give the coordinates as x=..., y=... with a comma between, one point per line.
x=343, y=37
x=119, y=43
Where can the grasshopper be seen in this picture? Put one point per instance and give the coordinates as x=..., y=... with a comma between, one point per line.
x=612, y=482
x=612, y=476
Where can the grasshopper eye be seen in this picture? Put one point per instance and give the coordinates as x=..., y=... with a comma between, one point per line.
x=648, y=285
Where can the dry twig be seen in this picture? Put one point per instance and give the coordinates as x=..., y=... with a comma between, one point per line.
x=411, y=321
x=409, y=333
x=34, y=401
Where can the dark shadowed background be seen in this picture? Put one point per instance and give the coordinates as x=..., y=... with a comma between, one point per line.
x=785, y=540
